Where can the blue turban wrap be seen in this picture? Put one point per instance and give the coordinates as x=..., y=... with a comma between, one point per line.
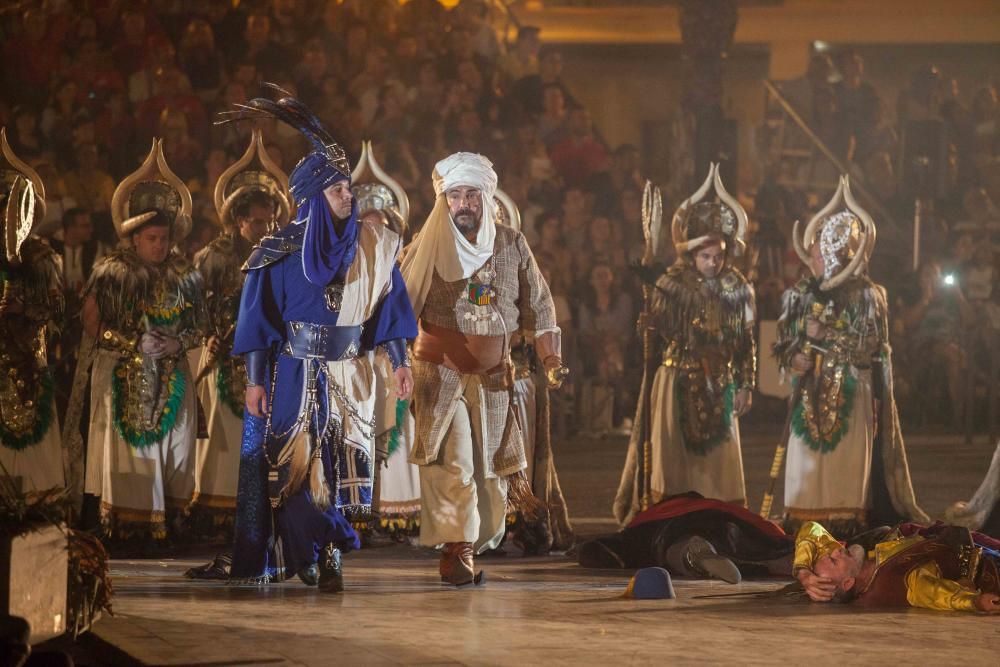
x=326, y=256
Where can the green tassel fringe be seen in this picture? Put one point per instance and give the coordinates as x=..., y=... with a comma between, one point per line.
x=224, y=387
x=397, y=431
x=142, y=439
x=828, y=444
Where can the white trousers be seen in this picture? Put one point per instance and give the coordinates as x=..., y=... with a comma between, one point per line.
x=458, y=502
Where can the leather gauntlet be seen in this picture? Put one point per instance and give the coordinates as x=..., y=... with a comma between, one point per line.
x=256, y=365
x=398, y=355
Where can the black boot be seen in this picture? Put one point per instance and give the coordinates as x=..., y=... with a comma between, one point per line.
x=700, y=555
x=309, y=575
x=331, y=573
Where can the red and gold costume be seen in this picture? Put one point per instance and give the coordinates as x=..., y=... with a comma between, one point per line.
x=940, y=567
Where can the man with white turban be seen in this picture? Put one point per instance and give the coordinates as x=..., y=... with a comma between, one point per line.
x=473, y=285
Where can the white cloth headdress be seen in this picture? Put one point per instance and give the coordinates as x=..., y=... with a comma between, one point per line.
x=440, y=246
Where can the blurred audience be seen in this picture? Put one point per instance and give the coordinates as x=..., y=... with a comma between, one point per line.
x=84, y=95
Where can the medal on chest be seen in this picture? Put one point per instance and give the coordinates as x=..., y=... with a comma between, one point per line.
x=482, y=294
x=481, y=290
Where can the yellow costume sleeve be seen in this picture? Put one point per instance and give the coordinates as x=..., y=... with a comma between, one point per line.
x=812, y=541
x=926, y=588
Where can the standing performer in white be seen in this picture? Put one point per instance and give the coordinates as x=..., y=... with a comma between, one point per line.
x=143, y=306
x=381, y=200
x=702, y=311
x=847, y=464
x=30, y=308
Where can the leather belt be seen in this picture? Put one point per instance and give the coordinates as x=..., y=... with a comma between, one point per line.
x=465, y=353
x=322, y=341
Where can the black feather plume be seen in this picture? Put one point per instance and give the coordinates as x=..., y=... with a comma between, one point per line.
x=648, y=275
x=295, y=114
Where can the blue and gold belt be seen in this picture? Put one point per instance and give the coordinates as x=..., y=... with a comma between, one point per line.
x=322, y=341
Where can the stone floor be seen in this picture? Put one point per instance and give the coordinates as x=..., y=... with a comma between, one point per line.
x=542, y=610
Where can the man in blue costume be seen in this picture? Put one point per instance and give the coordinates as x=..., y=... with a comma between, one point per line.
x=321, y=298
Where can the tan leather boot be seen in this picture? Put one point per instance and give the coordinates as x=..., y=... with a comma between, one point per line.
x=457, y=566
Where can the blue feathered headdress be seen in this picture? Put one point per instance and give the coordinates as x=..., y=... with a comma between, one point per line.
x=324, y=165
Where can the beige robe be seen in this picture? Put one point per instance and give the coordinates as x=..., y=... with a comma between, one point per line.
x=398, y=487
x=834, y=486
x=523, y=302
x=467, y=437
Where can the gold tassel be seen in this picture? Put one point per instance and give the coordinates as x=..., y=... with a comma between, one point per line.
x=508, y=373
x=521, y=499
x=298, y=464
x=318, y=487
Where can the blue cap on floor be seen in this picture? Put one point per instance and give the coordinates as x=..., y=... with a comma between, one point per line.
x=650, y=583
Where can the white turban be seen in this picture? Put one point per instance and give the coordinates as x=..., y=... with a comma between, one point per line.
x=468, y=169
x=439, y=245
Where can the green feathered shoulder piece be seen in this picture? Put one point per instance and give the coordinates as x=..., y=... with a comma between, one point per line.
x=124, y=288
x=120, y=284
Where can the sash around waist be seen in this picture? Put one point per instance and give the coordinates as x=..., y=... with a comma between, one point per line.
x=322, y=341
x=465, y=353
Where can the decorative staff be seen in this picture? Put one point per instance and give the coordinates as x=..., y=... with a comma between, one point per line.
x=776, y=464
x=213, y=357
x=652, y=218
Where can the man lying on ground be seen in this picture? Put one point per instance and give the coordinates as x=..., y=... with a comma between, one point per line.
x=937, y=567
x=941, y=567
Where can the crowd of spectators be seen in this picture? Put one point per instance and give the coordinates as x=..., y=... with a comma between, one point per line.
x=86, y=92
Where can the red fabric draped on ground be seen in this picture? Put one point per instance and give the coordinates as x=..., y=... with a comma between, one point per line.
x=680, y=505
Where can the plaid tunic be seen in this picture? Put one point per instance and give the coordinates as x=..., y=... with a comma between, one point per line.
x=522, y=301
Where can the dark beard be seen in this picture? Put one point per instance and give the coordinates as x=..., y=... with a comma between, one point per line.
x=467, y=222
